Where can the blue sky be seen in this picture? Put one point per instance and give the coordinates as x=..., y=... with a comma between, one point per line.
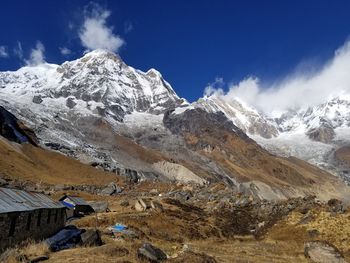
x=190, y=42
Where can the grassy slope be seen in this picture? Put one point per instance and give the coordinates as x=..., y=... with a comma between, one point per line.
x=26, y=162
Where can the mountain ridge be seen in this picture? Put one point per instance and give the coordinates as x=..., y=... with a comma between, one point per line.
x=109, y=115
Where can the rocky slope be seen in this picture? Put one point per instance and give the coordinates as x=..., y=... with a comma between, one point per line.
x=246, y=118
x=109, y=115
x=313, y=134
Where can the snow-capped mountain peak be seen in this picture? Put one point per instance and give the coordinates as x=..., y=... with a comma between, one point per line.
x=248, y=119
x=99, y=81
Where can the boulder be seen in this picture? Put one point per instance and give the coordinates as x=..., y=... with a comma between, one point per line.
x=3, y=182
x=111, y=189
x=37, y=99
x=70, y=103
x=91, y=238
x=142, y=205
x=154, y=192
x=313, y=233
x=306, y=219
x=39, y=259
x=335, y=206
x=99, y=206
x=157, y=206
x=146, y=204
x=151, y=253
x=323, y=252
x=60, y=187
x=124, y=203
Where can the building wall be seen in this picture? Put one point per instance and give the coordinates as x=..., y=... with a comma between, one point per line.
x=16, y=227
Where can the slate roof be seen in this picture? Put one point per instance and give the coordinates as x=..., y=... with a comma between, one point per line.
x=13, y=200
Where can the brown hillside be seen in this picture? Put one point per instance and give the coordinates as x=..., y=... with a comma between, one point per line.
x=26, y=162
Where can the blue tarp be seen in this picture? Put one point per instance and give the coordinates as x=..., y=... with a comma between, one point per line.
x=66, y=238
x=119, y=227
x=67, y=204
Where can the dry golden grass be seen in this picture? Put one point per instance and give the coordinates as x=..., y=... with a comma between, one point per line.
x=332, y=228
x=25, y=252
x=184, y=225
x=28, y=163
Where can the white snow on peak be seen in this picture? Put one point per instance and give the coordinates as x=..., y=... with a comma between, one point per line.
x=99, y=78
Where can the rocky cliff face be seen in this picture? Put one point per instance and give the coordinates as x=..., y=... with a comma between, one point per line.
x=246, y=118
x=14, y=130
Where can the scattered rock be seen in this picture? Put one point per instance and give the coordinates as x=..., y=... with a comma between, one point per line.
x=323, y=252
x=70, y=103
x=99, y=206
x=60, y=187
x=142, y=205
x=336, y=206
x=313, y=233
x=154, y=192
x=91, y=238
x=157, y=206
x=306, y=219
x=3, y=182
x=193, y=257
x=124, y=203
x=38, y=259
x=37, y=99
x=184, y=196
x=151, y=253
x=111, y=189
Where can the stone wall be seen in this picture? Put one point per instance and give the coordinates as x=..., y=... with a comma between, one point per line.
x=16, y=227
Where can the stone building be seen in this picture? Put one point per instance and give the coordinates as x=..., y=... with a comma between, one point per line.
x=76, y=206
x=27, y=215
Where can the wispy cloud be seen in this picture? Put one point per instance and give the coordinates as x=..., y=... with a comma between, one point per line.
x=36, y=56
x=3, y=52
x=294, y=91
x=18, y=51
x=95, y=33
x=65, y=51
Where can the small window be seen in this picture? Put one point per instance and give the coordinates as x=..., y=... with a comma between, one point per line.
x=12, y=226
x=49, y=216
x=62, y=213
x=56, y=215
x=1, y=219
x=39, y=218
x=29, y=221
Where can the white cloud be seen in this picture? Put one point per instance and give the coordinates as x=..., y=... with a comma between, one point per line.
x=36, y=55
x=65, y=51
x=95, y=33
x=3, y=52
x=18, y=51
x=297, y=90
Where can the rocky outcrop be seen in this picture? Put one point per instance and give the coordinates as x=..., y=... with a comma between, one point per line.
x=198, y=121
x=14, y=130
x=323, y=252
x=246, y=118
x=178, y=173
x=324, y=133
x=151, y=253
x=111, y=189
